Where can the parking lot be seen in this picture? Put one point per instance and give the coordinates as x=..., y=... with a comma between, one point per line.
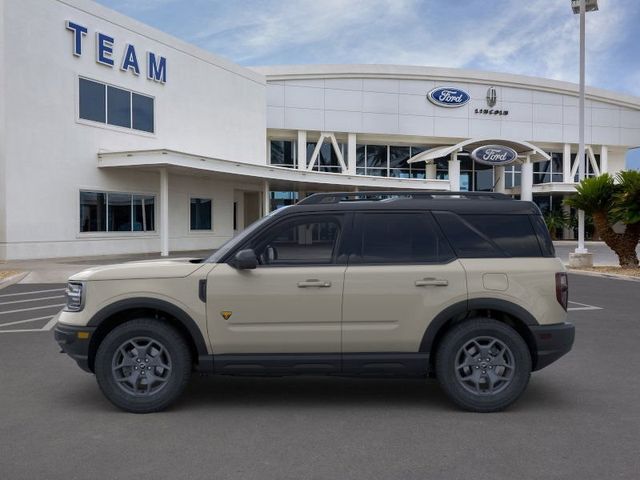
x=579, y=419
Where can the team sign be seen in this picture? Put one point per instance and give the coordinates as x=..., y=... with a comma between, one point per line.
x=156, y=64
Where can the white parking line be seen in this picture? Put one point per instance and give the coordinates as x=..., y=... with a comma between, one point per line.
x=32, y=292
x=31, y=300
x=583, y=306
x=33, y=308
x=25, y=321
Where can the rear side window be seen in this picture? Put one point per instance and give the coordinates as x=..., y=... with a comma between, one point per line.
x=544, y=239
x=482, y=236
x=513, y=234
x=409, y=238
x=467, y=241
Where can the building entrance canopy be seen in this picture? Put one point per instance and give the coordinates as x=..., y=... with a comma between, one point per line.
x=523, y=149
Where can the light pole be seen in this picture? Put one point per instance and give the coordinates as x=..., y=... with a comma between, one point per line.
x=581, y=7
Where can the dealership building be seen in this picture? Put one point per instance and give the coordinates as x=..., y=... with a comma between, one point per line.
x=118, y=138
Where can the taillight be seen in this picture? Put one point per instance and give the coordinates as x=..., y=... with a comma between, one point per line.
x=562, y=289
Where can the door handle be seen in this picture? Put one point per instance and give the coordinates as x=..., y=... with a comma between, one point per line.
x=313, y=283
x=432, y=282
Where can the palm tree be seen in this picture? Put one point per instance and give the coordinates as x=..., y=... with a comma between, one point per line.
x=555, y=220
x=609, y=202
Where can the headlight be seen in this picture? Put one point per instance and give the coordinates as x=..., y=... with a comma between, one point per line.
x=75, y=297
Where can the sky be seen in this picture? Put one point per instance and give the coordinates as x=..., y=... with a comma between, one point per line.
x=529, y=37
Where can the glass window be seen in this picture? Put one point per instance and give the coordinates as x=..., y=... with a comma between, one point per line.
x=143, y=213
x=513, y=234
x=118, y=107
x=92, y=101
x=116, y=212
x=115, y=106
x=119, y=212
x=201, y=213
x=283, y=153
x=93, y=212
x=299, y=242
x=398, y=166
x=142, y=112
x=401, y=238
x=466, y=240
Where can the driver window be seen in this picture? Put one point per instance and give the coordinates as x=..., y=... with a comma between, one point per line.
x=300, y=242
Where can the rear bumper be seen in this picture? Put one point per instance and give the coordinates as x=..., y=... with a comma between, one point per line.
x=552, y=342
x=74, y=345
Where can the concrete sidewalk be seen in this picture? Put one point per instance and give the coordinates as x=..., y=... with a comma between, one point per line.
x=602, y=254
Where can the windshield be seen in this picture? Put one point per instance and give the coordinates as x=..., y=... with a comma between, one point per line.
x=230, y=244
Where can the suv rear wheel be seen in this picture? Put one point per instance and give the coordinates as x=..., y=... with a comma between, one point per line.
x=143, y=365
x=483, y=365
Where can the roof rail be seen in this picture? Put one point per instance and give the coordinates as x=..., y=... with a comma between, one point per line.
x=337, y=197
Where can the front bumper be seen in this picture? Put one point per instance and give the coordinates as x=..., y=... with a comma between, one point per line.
x=552, y=342
x=74, y=341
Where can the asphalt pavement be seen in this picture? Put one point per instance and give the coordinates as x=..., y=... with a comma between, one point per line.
x=579, y=418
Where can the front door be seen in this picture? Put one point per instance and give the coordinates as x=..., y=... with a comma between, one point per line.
x=291, y=303
x=401, y=275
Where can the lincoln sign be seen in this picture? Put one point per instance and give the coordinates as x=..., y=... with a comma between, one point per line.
x=494, y=155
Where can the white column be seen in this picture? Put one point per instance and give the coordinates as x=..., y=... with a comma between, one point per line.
x=302, y=150
x=566, y=164
x=498, y=173
x=351, y=153
x=266, y=199
x=431, y=171
x=454, y=173
x=604, y=159
x=526, y=181
x=164, y=212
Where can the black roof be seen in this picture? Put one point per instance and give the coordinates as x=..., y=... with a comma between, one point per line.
x=458, y=202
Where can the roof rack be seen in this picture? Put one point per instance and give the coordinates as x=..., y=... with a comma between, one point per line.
x=373, y=196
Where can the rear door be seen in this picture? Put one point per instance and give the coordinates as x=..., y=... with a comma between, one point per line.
x=401, y=274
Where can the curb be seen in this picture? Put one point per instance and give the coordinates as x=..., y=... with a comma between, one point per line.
x=613, y=276
x=13, y=279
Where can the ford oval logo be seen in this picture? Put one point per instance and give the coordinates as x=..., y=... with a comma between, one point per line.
x=448, y=97
x=494, y=155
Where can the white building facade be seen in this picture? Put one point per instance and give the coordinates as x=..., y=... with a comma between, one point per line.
x=117, y=138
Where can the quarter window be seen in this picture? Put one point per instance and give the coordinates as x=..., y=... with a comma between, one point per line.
x=116, y=212
x=201, y=213
x=103, y=103
x=401, y=238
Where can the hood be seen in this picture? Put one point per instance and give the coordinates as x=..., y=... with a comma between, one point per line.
x=169, y=268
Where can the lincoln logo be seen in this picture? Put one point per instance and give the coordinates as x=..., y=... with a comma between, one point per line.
x=448, y=97
x=492, y=97
x=494, y=155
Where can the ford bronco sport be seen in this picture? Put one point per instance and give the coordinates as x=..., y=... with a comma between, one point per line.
x=461, y=286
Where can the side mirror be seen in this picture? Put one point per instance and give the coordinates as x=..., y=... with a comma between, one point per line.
x=245, y=260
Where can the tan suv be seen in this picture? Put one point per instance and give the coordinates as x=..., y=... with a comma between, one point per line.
x=461, y=286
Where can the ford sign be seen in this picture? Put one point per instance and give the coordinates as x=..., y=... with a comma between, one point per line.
x=494, y=155
x=448, y=97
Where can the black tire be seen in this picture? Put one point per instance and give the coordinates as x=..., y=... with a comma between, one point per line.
x=170, y=368
x=475, y=391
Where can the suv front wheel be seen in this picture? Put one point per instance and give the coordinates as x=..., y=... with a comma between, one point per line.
x=143, y=365
x=483, y=365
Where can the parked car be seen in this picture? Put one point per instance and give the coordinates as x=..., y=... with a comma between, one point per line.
x=463, y=287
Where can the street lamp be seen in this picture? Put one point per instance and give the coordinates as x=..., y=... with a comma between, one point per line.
x=580, y=7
